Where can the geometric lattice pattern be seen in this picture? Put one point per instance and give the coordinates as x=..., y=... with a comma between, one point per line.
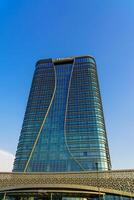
x=116, y=182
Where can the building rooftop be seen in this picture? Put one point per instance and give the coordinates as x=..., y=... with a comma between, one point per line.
x=62, y=60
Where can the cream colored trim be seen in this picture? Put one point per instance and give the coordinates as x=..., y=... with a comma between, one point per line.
x=55, y=190
x=38, y=135
x=66, y=119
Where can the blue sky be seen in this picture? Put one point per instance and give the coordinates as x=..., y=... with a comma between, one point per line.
x=30, y=30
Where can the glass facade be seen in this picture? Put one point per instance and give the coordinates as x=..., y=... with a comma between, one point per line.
x=62, y=196
x=63, y=128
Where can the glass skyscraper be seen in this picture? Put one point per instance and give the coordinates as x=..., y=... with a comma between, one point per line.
x=63, y=128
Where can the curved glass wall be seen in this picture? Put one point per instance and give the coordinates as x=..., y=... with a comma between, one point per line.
x=39, y=99
x=51, y=153
x=86, y=134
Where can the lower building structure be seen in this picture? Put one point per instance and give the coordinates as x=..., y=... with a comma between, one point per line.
x=107, y=185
